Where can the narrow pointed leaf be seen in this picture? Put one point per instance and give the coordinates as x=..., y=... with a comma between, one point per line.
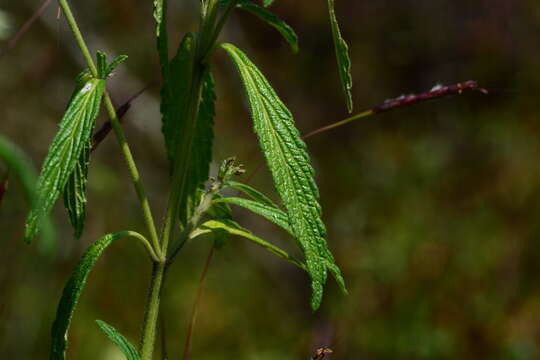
x=267, y=3
x=270, y=213
x=75, y=192
x=201, y=151
x=72, y=293
x=114, y=64
x=251, y=192
x=101, y=64
x=21, y=166
x=176, y=112
x=289, y=164
x=176, y=94
x=65, y=151
x=163, y=40
x=158, y=15
x=234, y=229
x=123, y=344
x=273, y=20
x=342, y=55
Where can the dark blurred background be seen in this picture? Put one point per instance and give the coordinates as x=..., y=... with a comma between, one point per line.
x=432, y=211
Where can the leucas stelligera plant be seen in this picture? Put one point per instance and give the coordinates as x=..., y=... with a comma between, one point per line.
x=196, y=205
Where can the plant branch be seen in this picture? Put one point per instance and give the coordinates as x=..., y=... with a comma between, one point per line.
x=145, y=242
x=135, y=177
x=436, y=92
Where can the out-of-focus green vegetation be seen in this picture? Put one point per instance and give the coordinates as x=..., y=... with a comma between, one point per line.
x=431, y=210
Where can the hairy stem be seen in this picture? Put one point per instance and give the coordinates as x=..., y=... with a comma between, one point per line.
x=148, y=337
x=134, y=173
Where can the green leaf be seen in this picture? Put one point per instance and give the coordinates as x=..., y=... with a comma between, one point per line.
x=342, y=55
x=175, y=101
x=158, y=15
x=270, y=213
x=267, y=3
x=65, y=151
x=234, y=229
x=201, y=151
x=114, y=64
x=251, y=192
x=101, y=62
x=163, y=40
x=217, y=211
x=289, y=164
x=20, y=165
x=176, y=111
x=75, y=192
x=129, y=350
x=273, y=20
x=72, y=292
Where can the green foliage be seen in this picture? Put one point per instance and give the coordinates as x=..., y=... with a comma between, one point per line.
x=178, y=92
x=65, y=151
x=113, y=65
x=75, y=192
x=72, y=292
x=273, y=20
x=251, y=192
x=233, y=228
x=289, y=164
x=342, y=55
x=270, y=213
x=219, y=211
x=123, y=344
x=158, y=15
x=267, y=3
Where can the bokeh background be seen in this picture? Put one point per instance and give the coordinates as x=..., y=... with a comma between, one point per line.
x=432, y=211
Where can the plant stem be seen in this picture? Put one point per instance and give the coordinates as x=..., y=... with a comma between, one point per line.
x=134, y=173
x=152, y=311
x=135, y=177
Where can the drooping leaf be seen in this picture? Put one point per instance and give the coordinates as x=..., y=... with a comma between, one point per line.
x=75, y=192
x=65, y=151
x=233, y=228
x=176, y=110
x=251, y=192
x=342, y=55
x=289, y=164
x=72, y=292
x=21, y=166
x=270, y=213
x=123, y=344
x=273, y=20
